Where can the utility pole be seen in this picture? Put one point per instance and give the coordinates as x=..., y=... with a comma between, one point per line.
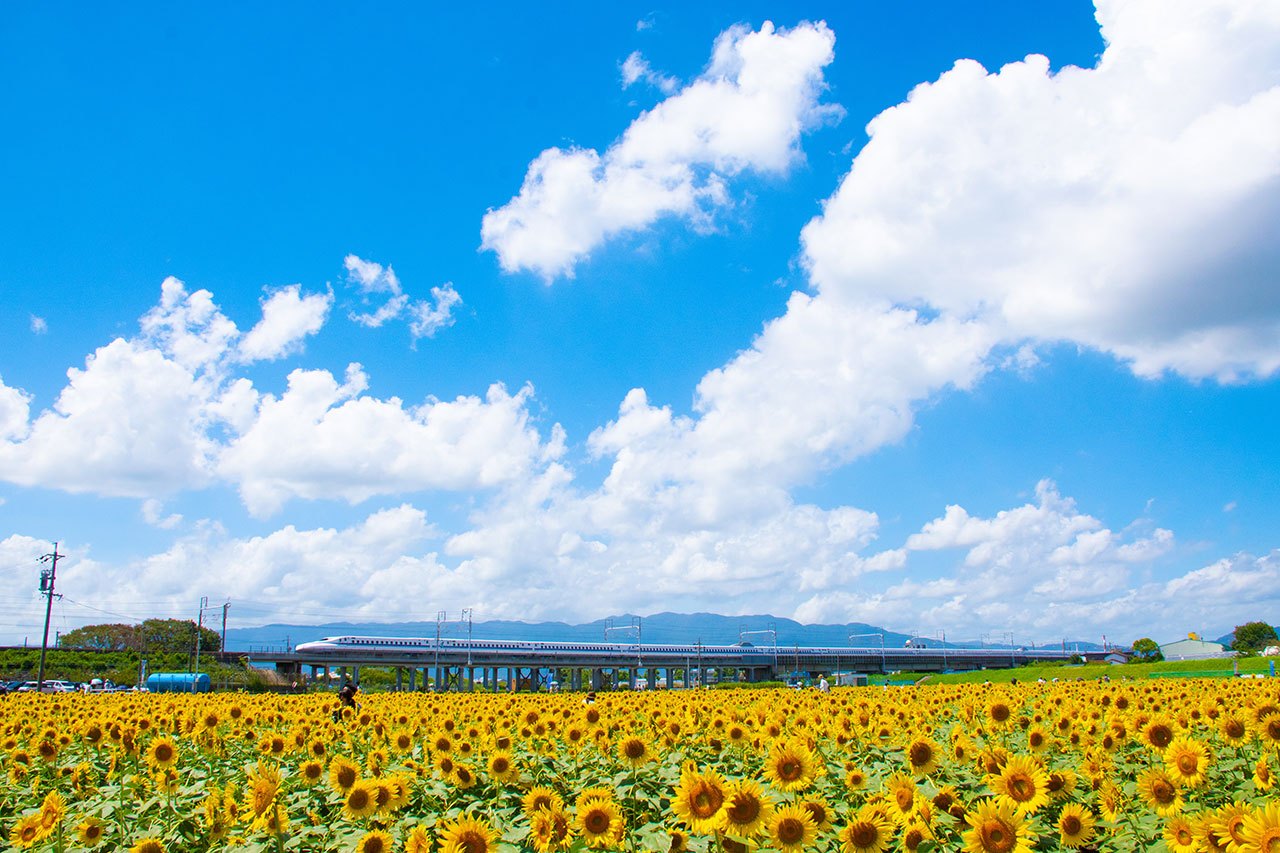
x=204, y=603
x=222, y=641
x=46, y=586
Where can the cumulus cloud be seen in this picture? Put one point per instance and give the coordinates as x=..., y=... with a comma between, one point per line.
x=425, y=317
x=1015, y=565
x=1126, y=207
x=164, y=411
x=746, y=112
x=287, y=318
x=322, y=439
x=39, y=325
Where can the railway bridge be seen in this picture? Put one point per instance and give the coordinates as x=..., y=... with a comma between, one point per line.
x=524, y=665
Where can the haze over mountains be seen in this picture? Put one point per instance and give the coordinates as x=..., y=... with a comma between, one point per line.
x=708, y=628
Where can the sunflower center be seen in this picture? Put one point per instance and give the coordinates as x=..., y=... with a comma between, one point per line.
x=358, y=798
x=1234, y=728
x=864, y=835
x=707, y=802
x=635, y=749
x=744, y=810
x=1021, y=788
x=790, y=830
x=596, y=822
x=473, y=842
x=1160, y=736
x=790, y=770
x=346, y=776
x=1187, y=764
x=817, y=812
x=921, y=754
x=164, y=752
x=373, y=845
x=904, y=798
x=1071, y=825
x=1162, y=792
x=996, y=838
x=1000, y=712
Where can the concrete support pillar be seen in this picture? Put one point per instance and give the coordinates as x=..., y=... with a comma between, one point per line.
x=575, y=679
x=342, y=675
x=356, y=676
x=471, y=679
x=413, y=678
x=513, y=674
x=399, y=678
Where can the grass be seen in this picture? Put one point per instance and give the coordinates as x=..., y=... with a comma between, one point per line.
x=1092, y=671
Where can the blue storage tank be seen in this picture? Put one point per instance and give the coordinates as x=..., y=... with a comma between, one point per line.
x=178, y=682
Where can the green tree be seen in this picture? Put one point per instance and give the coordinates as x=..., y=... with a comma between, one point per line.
x=1147, y=650
x=1252, y=636
x=152, y=636
x=111, y=638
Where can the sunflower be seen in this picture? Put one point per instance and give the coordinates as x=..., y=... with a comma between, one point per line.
x=52, y=811
x=998, y=828
x=1263, y=778
x=820, y=810
x=311, y=772
x=790, y=828
x=467, y=834
x=677, y=842
x=1187, y=760
x=27, y=831
x=699, y=800
x=374, y=841
x=600, y=823
x=1228, y=822
x=551, y=831
x=343, y=773
x=1206, y=829
x=147, y=845
x=1076, y=825
x=1269, y=728
x=1233, y=729
x=1179, y=835
x=922, y=756
x=913, y=835
x=541, y=797
x=1158, y=733
x=273, y=821
x=360, y=801
x=401, y=742
x=634, y=751
x=1038, y=740
x=1160, y=791
x=417, y=841
x=855, y=779
x=901, y=791
x=999, y=714
x=502, y=769
x=869, y=831
x=462, y=777
x=746, y=808
x=1022, y=784
x=790, y=766
x=266, y=782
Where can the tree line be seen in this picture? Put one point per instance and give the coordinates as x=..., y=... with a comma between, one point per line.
x=152, y=636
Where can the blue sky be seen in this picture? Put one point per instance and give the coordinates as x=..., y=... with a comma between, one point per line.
x=944, y=317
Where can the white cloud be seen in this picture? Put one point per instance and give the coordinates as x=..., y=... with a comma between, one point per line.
x=153, y=514
x=321, y=439
x=39, y=325
x=635, y=68
x=425, y=317
x=745, y=113
x=162, y=412
x=15, y=410
x=1126, y=207
x=287, y=318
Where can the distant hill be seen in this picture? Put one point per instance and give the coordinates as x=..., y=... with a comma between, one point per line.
x=708, y=628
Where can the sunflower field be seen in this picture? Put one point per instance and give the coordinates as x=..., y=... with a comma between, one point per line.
x=1162, y=766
